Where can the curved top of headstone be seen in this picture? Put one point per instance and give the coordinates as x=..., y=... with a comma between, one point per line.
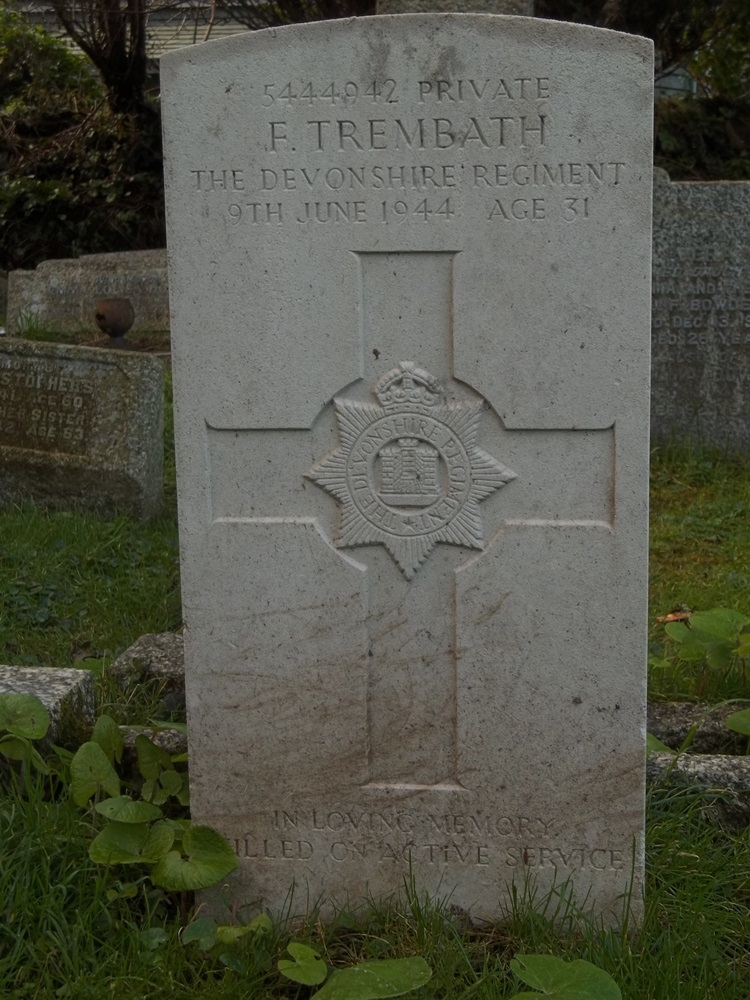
x=524, y=7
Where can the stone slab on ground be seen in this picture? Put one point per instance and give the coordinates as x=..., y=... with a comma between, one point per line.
x=61, y=295
x=671, y=722
x=410, y=287
x=724, y=781
x=701, y=313
x=67, y=694
x=81, y=427
x=158, y=657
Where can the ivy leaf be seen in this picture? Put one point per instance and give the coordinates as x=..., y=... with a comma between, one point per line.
x=91, y=772
x=123, y=809
x=108, y=736
x=563, y=980
x=209, y=860
x=306, y=966
x=130, y=843
x=23, y=715
x=389, y=977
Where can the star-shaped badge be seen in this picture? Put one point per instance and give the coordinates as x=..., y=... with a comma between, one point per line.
x=408, y=473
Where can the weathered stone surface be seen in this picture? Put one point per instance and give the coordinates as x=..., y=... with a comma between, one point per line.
x=61, y=295
x=67, y=694
x=3, y=293
x=701, y=313
x=671, y=722
x=410, y=288
x=728, y=777
x=155, y=657
x=81, y=427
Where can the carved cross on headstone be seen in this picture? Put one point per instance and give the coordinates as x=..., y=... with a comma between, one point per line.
x=412, y=699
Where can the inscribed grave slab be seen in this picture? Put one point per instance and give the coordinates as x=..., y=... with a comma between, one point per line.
x=701, y=313
x=411, y=376
x=81, y=427
x=61, y=295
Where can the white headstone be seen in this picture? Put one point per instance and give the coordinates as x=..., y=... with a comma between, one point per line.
x=410, y=312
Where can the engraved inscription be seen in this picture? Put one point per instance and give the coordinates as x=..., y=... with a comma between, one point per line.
x=700, y=299
x=409, y=473
x=42, y=409
x=487, y=143
x=401, y=837
x=700, y=343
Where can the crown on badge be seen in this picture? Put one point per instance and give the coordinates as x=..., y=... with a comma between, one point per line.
x=408, y=385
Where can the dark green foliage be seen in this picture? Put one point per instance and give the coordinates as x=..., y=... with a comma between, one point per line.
x=76, y=178
x=702, y=139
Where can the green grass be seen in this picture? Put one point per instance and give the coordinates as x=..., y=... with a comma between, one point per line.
x=74, y=588
x=699, y=555
x=66, y=932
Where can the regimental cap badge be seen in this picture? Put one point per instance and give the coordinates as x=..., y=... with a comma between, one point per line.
x=409, y=473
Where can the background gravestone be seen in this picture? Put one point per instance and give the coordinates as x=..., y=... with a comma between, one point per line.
x=701, y=313
x=81, y=427
x=410, y=282
x=61, y=295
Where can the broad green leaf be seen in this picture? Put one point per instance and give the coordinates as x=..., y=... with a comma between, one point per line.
x=183, y=796
x=719, y=654
x=305, y=966
x=230, y=934
x=718, y=623
x=131, y=843
x=739, y=722
x=654, y=745
x=209, y=860
x=153, y=938
x=91, y=772
x=743, y=648
x=563, y=980
x=17, y=748
x=171, y=782
x=124, y=890
x=202, y=931
x=692, y=648
x=262, y=924
x=234, y=962
x=153, y=792
x=23, y=715
x=390, y=977
x=107, y=734
x=126, y=810
x=152, y=760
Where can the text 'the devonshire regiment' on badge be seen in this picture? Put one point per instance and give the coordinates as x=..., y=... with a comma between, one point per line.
x=409, y=473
